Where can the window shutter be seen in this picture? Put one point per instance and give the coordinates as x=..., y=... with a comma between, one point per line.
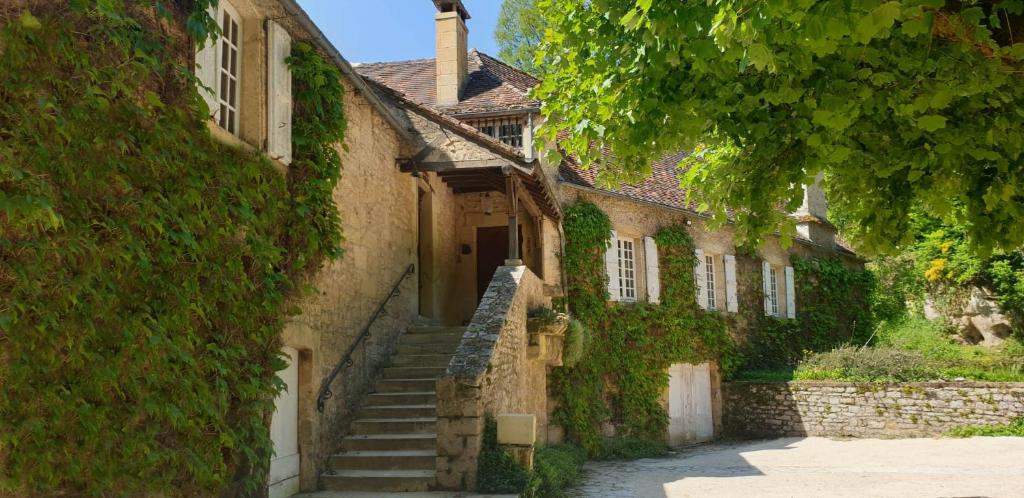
x=653, y=277
x=206, y=69
x=279, y=122
x=700, y=273
x=731, y=304
x=766, y=275
x=790, y=294
x=611, y=261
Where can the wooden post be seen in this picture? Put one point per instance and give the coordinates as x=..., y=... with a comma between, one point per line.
x=513, y=220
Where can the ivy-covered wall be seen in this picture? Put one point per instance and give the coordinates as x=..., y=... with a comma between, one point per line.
x=144, y=267
x=622, y=374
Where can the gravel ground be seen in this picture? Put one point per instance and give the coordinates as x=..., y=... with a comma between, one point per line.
x=814, y=467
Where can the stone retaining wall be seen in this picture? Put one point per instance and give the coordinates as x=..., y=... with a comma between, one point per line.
x=492, y=372
x=812, y=408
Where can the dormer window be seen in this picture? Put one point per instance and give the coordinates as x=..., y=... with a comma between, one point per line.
x=508, y=131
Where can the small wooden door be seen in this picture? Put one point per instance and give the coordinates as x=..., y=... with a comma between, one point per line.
x=689, y=404
x=491, y=252
x=284, y=432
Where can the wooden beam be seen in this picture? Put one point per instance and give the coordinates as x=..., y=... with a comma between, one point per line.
x=410, y=165
x=526, y=197
x=513, y=220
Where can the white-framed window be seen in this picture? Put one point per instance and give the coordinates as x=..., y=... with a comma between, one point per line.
x=709, y=279
x=772, y=292
x=627, y=270
x=229, y=68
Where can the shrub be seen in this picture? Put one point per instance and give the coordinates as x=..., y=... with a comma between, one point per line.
x=631, y=448
x=497, y=471
x=556, y=468
x=868, y=364
x=575, y=343
x=1015, y=428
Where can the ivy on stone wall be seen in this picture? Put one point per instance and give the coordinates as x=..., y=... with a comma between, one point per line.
x=144, y=267
x=833, y=308
x=623, y=372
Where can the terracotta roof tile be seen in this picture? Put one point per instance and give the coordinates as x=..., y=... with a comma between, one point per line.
x=491, y=86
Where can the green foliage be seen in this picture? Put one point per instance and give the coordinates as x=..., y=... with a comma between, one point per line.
x=631, y=448
x=575, y=343
x=1014, y=429
x=318, y=125
x=622, y=372
x=915, y=350
x=144, y=267
x=497, y=471
x=555, y=468
x=518, y=33
x=832, y=308
x=872, y=94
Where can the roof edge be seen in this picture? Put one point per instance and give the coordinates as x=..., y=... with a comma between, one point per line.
x=318, y=37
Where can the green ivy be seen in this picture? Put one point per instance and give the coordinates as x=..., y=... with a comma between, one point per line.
x=144, y=267
x=833, y=308
x=623, y=372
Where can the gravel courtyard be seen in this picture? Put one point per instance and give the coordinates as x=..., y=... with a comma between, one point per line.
x=815, y=467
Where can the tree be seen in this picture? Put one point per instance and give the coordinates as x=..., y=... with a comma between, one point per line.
x=519, y=31
x=900, y=104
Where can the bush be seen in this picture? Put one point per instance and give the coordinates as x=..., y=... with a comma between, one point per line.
x=1015, y=428
x=575, y=344
x=497, y=471
x=556, y=468
x=631, y=448
x=867, y=365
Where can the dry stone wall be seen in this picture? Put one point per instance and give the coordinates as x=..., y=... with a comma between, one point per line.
x=844, y=409
x=492, y=372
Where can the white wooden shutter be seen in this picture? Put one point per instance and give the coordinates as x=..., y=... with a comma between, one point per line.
x=206, y=69
x=279, y=122
x=653, y=277
x=766, y=275
x=611, y=262
x=700, y=275
x=790, y=294
x=731, y=304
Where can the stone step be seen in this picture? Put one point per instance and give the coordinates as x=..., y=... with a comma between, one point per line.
x=434, y=329
x=413, y=372
x=385, y=460
x=378, y=480
x=398, y=411
x=417, y=425
x=386, y=442
x=453, y=339
x=438, y=348
x=401, y=398
x=421, y=360
x=405, y=385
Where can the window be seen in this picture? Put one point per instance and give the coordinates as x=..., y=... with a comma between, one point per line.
x=772, y=294
x=229, y=53
x=507, y=130
x=709, y=277
x=627, y=270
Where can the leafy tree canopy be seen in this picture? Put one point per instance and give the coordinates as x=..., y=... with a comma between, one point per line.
x=519, y=31
x=899, y=104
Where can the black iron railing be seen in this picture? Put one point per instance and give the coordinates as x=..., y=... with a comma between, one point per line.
x=346, y=361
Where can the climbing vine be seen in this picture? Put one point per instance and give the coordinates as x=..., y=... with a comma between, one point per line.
x=833, y=308
x=623, y=372
x=144, y=267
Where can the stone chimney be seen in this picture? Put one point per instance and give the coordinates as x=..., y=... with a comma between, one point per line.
x=812, y=216
x=451, y=63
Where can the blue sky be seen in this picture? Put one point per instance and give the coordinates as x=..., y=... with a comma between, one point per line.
x=390, y=30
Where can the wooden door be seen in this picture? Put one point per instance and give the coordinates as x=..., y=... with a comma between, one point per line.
x=284, y=432
x=689, y=404
x=491, y=252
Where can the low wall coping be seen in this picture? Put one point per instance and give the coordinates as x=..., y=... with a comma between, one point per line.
x=473, y=355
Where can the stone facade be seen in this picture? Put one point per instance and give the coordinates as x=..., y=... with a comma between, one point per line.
x=492, y=372
x=844, y=409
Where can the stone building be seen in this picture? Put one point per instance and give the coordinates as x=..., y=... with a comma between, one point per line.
x=452, y=234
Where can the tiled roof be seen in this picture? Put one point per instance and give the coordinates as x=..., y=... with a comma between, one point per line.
x=491, y=85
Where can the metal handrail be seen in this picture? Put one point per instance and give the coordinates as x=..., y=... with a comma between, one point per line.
x=346, y=361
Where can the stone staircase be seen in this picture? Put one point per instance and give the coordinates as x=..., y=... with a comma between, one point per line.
x=392, y=446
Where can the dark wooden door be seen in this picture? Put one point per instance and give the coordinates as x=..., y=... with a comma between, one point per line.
x=491, y=252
